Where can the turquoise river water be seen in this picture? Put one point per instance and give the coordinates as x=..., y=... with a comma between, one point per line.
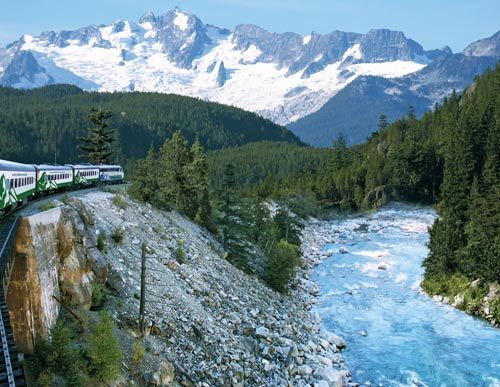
x=395, y=334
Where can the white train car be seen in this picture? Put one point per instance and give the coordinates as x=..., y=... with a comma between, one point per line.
x=53, y=177
x=85, y=174
x=17, y=183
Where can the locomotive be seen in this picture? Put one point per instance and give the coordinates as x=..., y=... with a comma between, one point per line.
x=20, y=183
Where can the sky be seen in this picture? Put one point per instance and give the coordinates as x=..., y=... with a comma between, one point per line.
x=432, y=23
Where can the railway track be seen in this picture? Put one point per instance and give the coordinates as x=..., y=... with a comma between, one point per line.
x=11, y=370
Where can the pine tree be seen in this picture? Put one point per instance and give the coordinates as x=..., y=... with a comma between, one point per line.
x=200, y=184
x=174, y=185
x=233, y=229
x=98, y=142
x=145, y=178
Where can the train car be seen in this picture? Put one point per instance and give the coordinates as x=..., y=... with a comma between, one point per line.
x=17, y=184
x=110, y=174
x=53, y=177
x=85, y=174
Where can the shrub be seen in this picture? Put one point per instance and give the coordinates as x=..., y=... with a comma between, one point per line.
x=120, y=202
x=101, y=242
x=99, y=297
x=495, y=309
x=103, y=350
x=117, y=235
x=180, y=255
x=138, y=355
x=280, y=265
x=58, y=356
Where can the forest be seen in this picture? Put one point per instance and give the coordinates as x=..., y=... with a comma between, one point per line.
x=45, y=124
x=449, y=158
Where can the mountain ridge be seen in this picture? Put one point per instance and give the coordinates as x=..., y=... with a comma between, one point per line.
x=171, y=53
x=285, y=77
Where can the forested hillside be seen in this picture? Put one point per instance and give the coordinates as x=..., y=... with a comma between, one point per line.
x=45, y=124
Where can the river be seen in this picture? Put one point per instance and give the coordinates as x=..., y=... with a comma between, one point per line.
x=395, y=334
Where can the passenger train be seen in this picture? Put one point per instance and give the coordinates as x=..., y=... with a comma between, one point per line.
x=20, y=183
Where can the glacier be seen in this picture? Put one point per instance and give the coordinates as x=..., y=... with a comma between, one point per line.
x=283, y=77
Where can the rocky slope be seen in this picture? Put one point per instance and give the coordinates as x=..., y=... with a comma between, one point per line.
x=208, y=323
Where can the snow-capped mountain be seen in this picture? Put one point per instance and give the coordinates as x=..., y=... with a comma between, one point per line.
x=281, y=76
x=355, y=110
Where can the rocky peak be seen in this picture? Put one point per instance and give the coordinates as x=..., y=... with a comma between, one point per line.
x=385, y=45
x=81, y=36
x=23, y=71
x=183, y=36
x=148, y=17
x=485, y=47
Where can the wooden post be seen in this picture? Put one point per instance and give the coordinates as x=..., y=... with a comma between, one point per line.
x=143, y=289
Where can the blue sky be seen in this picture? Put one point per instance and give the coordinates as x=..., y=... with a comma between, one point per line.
x=433, y=23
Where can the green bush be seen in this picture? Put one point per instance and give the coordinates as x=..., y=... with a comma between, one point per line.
x=99, y=297
x=117, y=235
x=101, y=242
x=280, y=265
x=495, y=309
x=58, y=356
x=180, y=255
x=103, y=350
x=448, y=286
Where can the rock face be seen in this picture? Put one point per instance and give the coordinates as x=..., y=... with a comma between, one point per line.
x=25, y=72
x=55, y=257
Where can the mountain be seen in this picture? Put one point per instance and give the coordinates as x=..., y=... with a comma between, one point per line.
x=45, y=123
x=355, y=110
x=286, y=77
x=282, y=76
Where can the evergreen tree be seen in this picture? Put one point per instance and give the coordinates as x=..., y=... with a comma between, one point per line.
x=175, y=185
x=200, y=184
x=145, y=178
x=98, y=142
x=230, y=221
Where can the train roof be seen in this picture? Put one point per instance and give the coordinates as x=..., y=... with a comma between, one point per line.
x=51, y=167
x=109, y=166
x=83, y=166
x=12, y=166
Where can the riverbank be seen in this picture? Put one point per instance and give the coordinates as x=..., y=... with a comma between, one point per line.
x=472, y=297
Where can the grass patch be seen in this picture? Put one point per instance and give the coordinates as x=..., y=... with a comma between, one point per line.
x=45, y=206
x=448, y=286
x=138, y=354
x=120, y=202
x=451, y=286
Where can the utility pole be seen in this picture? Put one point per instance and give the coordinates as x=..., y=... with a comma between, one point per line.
x=142, y=305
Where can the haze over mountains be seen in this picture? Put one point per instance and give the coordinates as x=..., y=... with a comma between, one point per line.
x=321, y=85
